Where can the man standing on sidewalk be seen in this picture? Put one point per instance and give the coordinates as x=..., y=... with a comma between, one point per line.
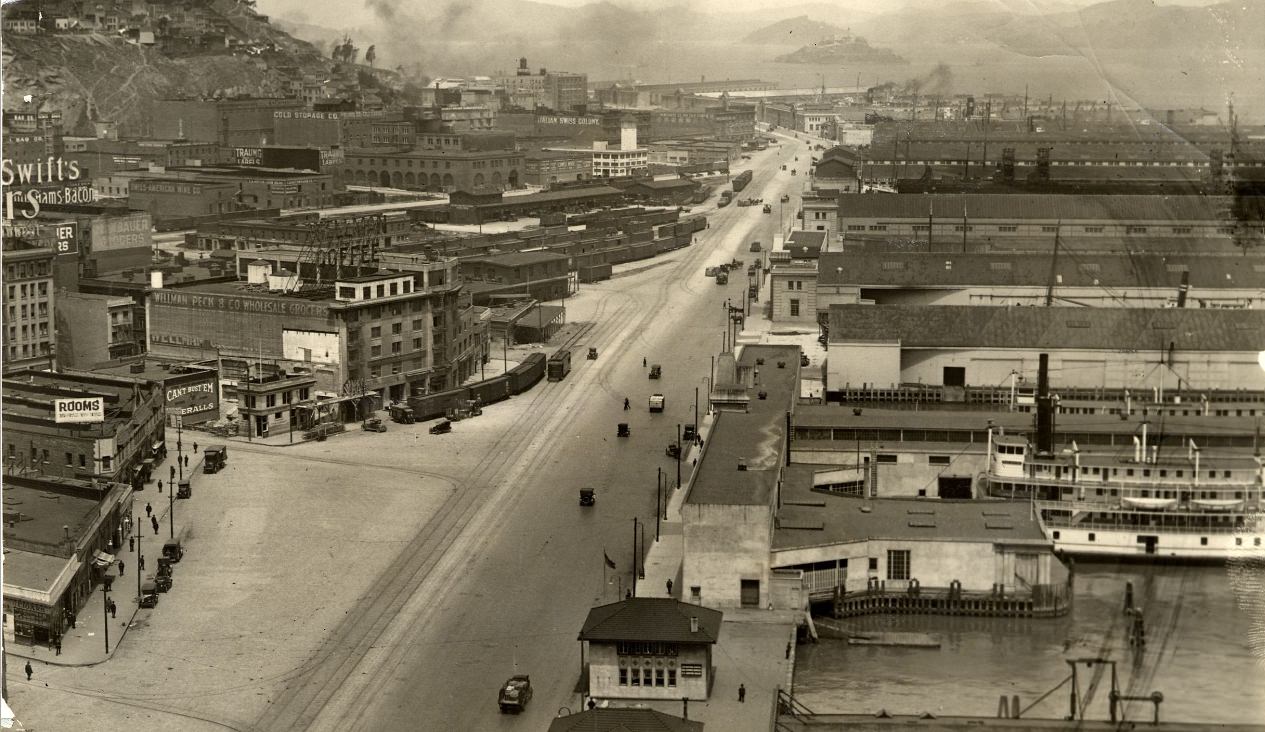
x=148, y=508
x=57, y=645
x=140, y=563
x=153, y=520
x=29, y=670
x=121, y=567
x=160, y=485
x=742, y=693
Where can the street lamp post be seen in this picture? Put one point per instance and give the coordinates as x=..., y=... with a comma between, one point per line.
x=105, y=616
x=139, y=535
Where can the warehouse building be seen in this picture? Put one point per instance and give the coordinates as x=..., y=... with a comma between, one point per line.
x=1103, y=348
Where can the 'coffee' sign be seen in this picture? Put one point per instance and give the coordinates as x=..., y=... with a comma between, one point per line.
x=79, y=410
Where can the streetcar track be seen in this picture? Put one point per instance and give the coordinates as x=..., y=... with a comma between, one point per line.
x=315, y=683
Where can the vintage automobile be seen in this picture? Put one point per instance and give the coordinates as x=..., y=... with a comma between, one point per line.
x=674, y=450
x=656, y=371
x=592, y=354
x=515, y=693
x=375, y=425
x=173, y=550
x=622, y=430
x=587, y=497
x=185, y=489
x=688, y=433
x=149, y=594
x=442, y=428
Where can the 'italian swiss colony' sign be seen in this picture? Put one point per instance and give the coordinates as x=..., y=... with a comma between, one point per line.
x=79, y=410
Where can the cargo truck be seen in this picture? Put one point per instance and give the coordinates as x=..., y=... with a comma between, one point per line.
x=656, y=402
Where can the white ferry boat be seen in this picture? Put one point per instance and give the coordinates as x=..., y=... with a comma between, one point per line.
x=1185, y=506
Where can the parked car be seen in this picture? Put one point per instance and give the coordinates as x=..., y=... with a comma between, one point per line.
x=149, y=594
x=442, y=428
x=375, y=425
x=656, y=371
x=587, y=497
x=515, y=693
x=621, y=430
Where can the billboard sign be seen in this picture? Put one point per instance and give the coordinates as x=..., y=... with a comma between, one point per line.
x=66, y=240
x=79, y=410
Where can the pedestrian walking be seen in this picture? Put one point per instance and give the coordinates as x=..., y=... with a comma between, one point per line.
x=148, y=509
x=57, y=645
x=131, y=543
x=669, y=586
x=173, y=470
x=154, y=520
x=643, y=362
x=160, y=486
x=140, y=563
x=29, y=670
x=742, y=693
x=114, y=609
x=195, y=448
x=186, y=461
x=121, y=566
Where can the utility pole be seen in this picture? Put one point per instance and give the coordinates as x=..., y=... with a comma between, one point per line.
x=634, y=567
x=105, y=616
x=139, y=535
x=658, y=499
x=678, y=456
x=171, y=513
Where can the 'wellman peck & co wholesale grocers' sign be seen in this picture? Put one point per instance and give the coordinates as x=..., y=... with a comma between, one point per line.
x=79, y=410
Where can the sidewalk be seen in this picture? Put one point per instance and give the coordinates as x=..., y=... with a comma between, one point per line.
x=84, y=644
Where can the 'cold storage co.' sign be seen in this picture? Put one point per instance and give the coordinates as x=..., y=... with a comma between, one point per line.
x=79, y=410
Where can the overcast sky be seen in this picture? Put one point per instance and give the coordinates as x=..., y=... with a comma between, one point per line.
x=351, y=13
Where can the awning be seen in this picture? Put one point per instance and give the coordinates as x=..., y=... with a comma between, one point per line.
x=101, y=559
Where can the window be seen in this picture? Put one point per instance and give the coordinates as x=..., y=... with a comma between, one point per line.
x=70, y=460
x=107, y=463
x=83, y=461
x=672, y=671
x=395, y=328
x=873, y=564
x=375, y=332
x=417, y=344
x=938, y=460
x=898, y=564
x=887, y=458
x=794, y=308
x=375, y=351
x=623, y=677
x=1049, y=229
x=417, y=324
x=395, y=347
x=1008, y=229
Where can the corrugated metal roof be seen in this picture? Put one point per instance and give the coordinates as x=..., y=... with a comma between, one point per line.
x=1057, y=329
x=1022, y=206
x=921, y=269
x=651, y=619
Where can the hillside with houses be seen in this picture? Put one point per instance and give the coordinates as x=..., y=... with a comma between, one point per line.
x=108, y=61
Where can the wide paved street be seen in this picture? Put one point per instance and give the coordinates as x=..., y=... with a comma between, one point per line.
x=500, y=583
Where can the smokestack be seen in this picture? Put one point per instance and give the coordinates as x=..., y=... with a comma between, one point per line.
x=1045, y=408
x=1185, y=289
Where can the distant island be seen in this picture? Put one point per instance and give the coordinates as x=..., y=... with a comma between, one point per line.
x=842, y=50
x=794, y=31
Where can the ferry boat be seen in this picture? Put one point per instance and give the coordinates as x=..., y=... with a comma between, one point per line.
x=1184, y=505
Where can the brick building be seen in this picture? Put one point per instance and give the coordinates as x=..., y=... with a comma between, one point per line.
x=436, y=170
x=228, y=122
x=29, y=305
x=540, y=275
x=95, y=328
x=121, y=448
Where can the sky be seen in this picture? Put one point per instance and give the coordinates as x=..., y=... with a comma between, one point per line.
x=351, y=13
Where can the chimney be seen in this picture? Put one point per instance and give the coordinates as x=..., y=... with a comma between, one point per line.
x=1185, y=289
x=628, y=135
x=1045, y=408
x=693, y=623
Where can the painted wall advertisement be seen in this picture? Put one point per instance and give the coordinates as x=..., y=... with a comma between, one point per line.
x=193, y=400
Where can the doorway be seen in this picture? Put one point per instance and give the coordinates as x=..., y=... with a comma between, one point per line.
x=955, y=486
x=955, y=376
x=750, y=593
x=1149, y=543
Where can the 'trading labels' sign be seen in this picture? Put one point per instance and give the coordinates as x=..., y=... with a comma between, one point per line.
x=79, y=410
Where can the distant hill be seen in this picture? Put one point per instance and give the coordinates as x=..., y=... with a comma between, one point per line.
x=230, y=51
x=795, y=31
x=846, y=50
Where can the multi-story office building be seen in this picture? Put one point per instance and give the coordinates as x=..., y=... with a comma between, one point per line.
x=29, y=316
